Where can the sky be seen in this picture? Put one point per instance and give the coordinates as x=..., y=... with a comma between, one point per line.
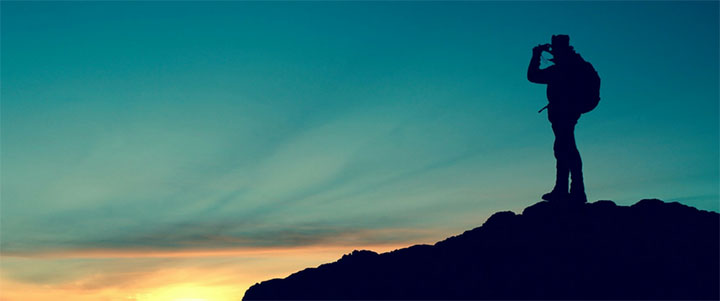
x=187, y=150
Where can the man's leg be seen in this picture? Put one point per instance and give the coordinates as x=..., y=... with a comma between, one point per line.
x=562, y=168
x=560, y=147
x=577, y=188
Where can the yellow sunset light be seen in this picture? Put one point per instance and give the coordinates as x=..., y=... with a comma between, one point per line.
x=188, y=292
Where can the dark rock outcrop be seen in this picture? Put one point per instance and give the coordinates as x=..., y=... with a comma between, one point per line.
x=650, y=250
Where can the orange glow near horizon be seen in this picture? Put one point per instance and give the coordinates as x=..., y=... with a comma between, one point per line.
x=14, y=291
x=208, y=275
x=189, y=292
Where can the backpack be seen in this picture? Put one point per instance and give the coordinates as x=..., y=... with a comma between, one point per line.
x=588, y=83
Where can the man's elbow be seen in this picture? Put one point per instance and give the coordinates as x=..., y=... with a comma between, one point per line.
x=533, y=78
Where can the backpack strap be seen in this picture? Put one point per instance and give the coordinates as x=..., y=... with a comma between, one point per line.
x=543, y=108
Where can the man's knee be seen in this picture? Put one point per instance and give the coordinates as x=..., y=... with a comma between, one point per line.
x=562, y=146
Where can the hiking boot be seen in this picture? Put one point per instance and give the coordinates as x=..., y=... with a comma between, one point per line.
x=555, y=196
x=577, y=191
x=578, y=197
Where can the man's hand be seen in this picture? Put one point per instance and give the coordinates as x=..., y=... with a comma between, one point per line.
x=540, y=48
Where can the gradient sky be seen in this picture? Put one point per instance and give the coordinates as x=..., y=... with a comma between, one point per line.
x=161, y=151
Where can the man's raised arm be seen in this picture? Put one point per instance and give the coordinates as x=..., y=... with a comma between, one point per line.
x=535, y=74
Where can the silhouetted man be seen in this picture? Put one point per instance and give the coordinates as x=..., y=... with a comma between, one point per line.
x=562, y=89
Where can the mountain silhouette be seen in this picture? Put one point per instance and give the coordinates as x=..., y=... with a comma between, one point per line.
x=650, y=250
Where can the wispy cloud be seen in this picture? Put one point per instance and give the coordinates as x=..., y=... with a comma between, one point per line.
x=192, y=239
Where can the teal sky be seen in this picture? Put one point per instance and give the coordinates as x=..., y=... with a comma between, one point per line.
x=130, y=125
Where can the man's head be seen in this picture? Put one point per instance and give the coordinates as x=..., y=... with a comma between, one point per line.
x=560, y=46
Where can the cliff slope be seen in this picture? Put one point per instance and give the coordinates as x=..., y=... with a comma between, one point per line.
x=650, y=250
